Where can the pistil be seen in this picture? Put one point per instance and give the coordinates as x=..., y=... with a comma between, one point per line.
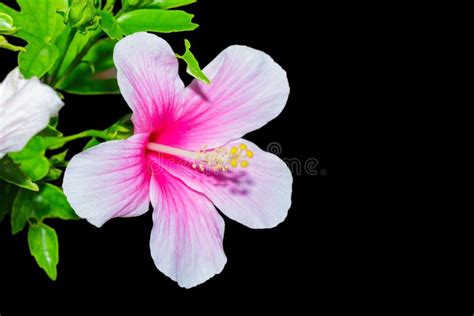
x=217, y=159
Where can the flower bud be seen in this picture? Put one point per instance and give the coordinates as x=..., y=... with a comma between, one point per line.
x=81, y=14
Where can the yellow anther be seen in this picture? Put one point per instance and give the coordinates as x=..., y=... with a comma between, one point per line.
x=221, y=158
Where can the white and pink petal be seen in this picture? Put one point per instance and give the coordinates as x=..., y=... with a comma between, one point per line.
x=258, y=196
x=187, y=236
x=248, y=89
x=147, y=74
x=109, y=180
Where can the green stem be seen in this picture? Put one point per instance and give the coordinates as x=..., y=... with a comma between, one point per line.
x=109, y=5
x=70, y=38
x=58, y=142
x=88, y=133
x=77, y=60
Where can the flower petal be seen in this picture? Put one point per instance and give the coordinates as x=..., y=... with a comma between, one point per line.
x=186, y=240
x=25, y=109
x=147, y=74
x=248, y=89
x=109, y=180
x=258, y=196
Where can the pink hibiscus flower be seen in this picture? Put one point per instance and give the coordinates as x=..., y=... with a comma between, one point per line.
x=187, y=156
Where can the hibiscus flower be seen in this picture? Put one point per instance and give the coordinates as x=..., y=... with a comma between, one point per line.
x=186, y=156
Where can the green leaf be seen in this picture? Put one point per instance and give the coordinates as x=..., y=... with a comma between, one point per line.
x=58, y=160
x=44, y=246
x=37, y=59
x=109, y=25
x=50, y=131
x=21, y=211
x=54, y=120
x=93, y=142
x=76, y=47
x=32, y=160
x=53, y=174
x=86, y=84
x=96, y=74
x=101, y=55
x=89, y=86
x=155, y=20
x=169, y=4
x=39, y=25
x=49, y=202
x=53, y=142
x=146, y=20
x=8, y=193
x=122, y=129
x=128, y=5
x=77, y=44
x=192, y=64
x=12, y=173
x=155, y=4
x=123, y=125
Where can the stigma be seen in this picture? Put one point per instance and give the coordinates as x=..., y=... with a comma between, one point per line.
x=217, y=159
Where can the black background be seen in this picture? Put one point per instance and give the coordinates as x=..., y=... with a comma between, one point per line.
x=305, y=261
